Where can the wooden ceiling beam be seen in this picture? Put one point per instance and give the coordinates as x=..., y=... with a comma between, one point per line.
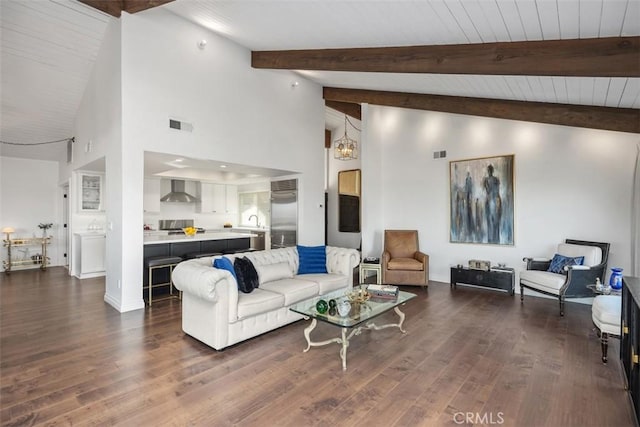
x=115, y=7
x=327, y=138
x=594, y=117
x=348, y=108
x=133, y=6
x=599, y=57
x=110, y=7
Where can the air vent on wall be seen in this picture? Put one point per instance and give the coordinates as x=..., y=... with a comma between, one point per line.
x=288, y=184
x=178, y=125
x=440, y=154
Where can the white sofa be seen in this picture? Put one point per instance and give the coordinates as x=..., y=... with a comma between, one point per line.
x=216, y=313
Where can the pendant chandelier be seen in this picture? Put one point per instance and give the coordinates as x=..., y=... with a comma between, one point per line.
x=345, y=148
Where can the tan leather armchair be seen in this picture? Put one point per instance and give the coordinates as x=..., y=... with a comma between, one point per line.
x=402, y=261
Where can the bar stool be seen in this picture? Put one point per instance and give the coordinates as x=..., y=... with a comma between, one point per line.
x=157, y=262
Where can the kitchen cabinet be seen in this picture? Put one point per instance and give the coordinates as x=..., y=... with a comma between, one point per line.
x=231, y=199
x=91, y=255
x=217, y=198
x=91, y=188
x=151, y=196
x=186, y=245
x=212, y=198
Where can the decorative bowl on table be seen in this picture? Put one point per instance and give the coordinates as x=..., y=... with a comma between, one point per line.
x=190, y=231
x=358, y=295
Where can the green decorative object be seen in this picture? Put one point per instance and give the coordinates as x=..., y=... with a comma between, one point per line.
x=322, y=306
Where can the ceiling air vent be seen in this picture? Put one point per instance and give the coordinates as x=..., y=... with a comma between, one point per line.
x=178, y=125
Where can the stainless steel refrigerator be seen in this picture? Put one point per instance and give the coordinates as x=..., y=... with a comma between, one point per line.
x=284, y=213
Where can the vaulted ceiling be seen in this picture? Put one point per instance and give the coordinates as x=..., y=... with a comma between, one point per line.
x=524, y=59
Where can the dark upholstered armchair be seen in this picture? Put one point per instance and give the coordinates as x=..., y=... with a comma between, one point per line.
x=402, y=261
x=572, y=281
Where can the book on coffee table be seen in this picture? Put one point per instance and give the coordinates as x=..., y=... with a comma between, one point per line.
x=382, y=291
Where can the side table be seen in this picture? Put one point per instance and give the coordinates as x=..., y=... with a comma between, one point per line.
x=603, y=292
x=371, y=266
x=500, y=279
x=41, y=259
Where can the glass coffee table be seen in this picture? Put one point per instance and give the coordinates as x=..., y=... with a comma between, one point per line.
x=358, y=319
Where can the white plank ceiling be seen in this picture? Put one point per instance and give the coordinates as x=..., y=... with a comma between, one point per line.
x=47, y=53
x=49, y=46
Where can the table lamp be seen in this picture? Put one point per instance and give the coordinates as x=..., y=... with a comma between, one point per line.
x=8, y=231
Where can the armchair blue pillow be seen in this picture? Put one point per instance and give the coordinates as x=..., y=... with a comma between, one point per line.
x=313, y=259
x=559, y=262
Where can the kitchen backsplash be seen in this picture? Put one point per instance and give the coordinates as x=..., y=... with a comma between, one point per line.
x=188, y=211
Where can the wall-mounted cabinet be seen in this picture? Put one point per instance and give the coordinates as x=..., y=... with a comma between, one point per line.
x=91, y=187
x=231, y=198
x=212, y=198
x=151, y=198
x=217, y=198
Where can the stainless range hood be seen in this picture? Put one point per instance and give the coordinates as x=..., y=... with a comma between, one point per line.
x=178, y=194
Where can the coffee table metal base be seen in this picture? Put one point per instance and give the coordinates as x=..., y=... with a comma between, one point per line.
x=344, y=340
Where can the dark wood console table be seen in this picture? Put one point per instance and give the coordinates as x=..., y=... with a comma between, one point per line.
x=630, y=339
x=500, y=279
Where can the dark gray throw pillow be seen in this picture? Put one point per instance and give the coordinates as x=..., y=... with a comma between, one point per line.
x=246, y=274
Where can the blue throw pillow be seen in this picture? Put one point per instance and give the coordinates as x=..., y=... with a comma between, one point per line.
x=313, y=259
x=225, y=263
x=559, y=262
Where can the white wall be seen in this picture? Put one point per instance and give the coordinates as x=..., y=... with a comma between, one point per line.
x=335, y=237
x=239, y=114
x=569, y=183
x=30, y=195
x=99, y=122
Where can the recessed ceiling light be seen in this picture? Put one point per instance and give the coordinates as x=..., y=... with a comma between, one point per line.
x=179, y=160
x=223, y=166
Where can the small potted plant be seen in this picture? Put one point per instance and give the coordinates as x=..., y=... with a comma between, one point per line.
x=44, y=227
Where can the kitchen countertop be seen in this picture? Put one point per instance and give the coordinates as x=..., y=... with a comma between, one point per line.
x=177, y=238
x=252, y=229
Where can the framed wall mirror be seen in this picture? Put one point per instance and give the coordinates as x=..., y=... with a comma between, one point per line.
x=349, y=201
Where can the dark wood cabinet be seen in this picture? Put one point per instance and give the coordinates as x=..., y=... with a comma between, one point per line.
x=182, y=248
x=503, y=279
x=630, y=339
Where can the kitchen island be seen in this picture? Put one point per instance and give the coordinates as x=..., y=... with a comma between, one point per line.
x=154, y=239
x=156, y=244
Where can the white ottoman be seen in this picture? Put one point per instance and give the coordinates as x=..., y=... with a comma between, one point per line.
x=606, y=314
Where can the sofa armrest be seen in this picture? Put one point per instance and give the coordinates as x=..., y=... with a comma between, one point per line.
x=201, y=280
x=579, y=277
x=342, y=260
x=384, y=259
x=422, y=257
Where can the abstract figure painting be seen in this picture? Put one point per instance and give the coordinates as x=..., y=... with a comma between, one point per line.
x=482, y=207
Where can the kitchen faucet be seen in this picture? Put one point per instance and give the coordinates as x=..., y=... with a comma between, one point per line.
x=257, y=223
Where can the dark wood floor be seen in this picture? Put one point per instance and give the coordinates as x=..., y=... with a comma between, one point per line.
x=67, y=358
